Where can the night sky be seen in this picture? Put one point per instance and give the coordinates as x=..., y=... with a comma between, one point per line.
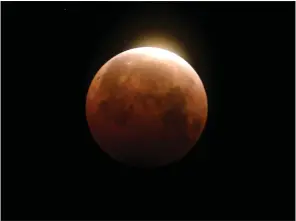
x=243, y=167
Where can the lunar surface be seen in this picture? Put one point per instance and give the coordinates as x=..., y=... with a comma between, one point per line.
x=146, y=107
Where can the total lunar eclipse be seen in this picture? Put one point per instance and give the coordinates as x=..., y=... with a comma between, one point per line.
x=146, y=107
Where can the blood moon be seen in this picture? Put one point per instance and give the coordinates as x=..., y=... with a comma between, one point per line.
x=146, y=107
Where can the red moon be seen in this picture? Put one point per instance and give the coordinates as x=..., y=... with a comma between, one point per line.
x=146, y=107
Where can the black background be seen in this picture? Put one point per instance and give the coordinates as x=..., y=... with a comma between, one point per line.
x=242, y=167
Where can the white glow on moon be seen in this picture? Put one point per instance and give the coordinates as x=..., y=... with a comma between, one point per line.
x=159, y=53
x=162, y=42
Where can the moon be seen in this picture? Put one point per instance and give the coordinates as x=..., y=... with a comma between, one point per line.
x=146, y=107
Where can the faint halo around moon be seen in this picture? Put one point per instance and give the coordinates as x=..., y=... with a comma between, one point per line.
x=146, y=107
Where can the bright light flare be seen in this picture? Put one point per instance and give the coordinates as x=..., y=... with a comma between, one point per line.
x=167, y=43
